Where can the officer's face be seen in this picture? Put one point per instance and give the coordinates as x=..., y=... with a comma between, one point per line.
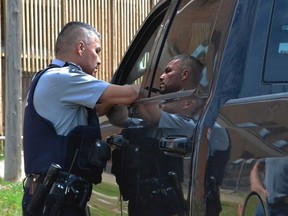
x=170, y=80
x=90, y=58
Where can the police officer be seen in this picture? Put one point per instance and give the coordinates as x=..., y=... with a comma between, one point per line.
x=62, y=97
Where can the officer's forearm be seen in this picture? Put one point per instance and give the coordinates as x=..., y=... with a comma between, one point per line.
x=118, y=115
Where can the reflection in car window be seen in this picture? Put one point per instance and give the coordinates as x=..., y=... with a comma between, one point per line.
x=160, y=126
x=187, y=36
x=140, y=67
x=277, y=52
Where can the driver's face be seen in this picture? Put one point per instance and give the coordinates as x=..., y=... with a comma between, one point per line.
x=170, y=80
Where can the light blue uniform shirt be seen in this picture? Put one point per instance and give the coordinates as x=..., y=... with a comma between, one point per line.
x=62, y=94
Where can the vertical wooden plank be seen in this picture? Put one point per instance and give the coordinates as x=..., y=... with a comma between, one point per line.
x=92, y=15
x=40, y=20
x=106, y=17
x=129, y=24
x=36, y=32
x=76, y=11
x=122, y=42
x=85, y=11
x=1, y=74
x=57, y=23
x=32, y=29
x=63, y=11
x=136, y=16
x=60, y=24
x=103, y=33
x=125, y=26
x=45, y=26
x=49, y=26
x=13, y=88
x=117, y=32
x=107, y=57
x=51, y=35
x=107, y=37
x=80, y=10
x=24, y=37
x=28, y=36
x=69, y=15
x=110, y=72
x=69, y=12
x=114, y=32
x=89, y=20
x=139, y=12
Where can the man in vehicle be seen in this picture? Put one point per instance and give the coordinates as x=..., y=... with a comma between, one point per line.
x=61, y=124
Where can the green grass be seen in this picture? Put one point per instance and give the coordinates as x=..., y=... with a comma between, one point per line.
x=229, y=209
x=11, y=197
x=104, y=200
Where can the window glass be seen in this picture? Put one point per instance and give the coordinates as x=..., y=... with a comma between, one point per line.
x=277, y=52
x=176, y=99
x=136, y=60
x=140, y=66
x=189, y=35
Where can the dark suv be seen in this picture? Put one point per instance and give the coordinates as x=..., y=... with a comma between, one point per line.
x=243, y=47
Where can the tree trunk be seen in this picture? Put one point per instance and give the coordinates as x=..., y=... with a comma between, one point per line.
x=13, y=100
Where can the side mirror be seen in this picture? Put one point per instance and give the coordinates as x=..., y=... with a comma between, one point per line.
x=254, y=205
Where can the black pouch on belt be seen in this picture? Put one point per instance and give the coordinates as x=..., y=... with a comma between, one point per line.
x=32, y=181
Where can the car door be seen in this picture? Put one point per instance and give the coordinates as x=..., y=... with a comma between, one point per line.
x=151, y=160
x=250, y=100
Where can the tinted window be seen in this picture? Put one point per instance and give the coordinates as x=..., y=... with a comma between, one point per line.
x=189, y=34
x=277, y=52
x=172, y=110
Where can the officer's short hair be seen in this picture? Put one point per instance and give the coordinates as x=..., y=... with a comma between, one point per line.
x=73, y=32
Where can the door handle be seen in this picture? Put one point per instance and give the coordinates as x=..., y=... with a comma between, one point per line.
x=178, y=145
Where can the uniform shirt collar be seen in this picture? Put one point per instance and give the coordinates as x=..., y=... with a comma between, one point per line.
x=62, y=64
x=58, y=62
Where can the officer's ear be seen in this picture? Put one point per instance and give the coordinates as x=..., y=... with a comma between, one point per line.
x=184, y=74
x=80, y=47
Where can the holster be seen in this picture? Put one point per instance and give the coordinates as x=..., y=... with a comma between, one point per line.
x=86, y=154
x=70, y=191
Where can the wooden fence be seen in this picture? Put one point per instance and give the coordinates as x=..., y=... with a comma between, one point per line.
x=116, y=20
